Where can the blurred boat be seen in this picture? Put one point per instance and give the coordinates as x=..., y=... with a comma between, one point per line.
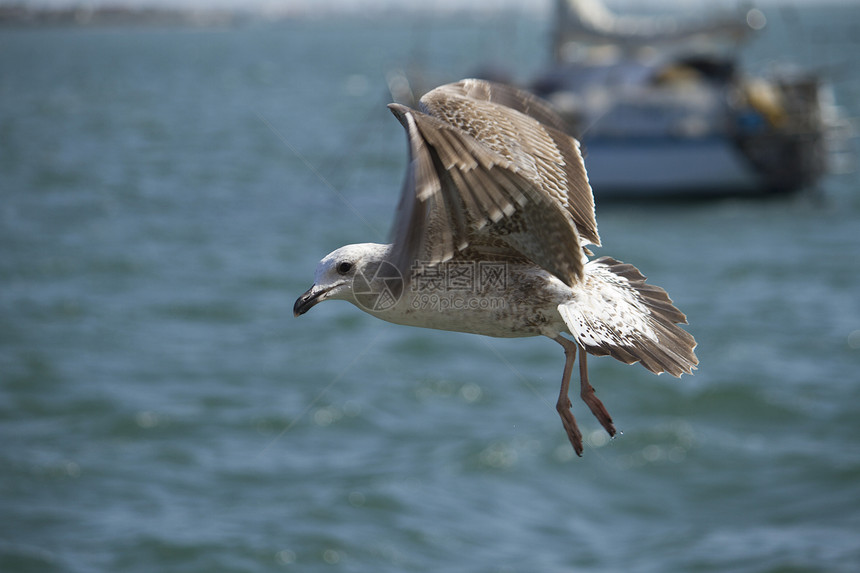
x=663, y=110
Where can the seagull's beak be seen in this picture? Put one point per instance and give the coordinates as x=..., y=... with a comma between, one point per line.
x=305, y=302
x=311, y=297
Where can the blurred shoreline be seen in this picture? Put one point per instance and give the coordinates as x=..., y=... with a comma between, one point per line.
x=88, y=16
x=23, y=16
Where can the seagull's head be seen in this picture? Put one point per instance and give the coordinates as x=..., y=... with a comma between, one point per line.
x=333, y=278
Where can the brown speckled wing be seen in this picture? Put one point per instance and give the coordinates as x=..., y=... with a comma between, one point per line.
x=507, y=96
x=480, y=171
x=524, y=129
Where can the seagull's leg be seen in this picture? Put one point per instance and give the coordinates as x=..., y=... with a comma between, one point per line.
x=586, y=392
x=563, y=404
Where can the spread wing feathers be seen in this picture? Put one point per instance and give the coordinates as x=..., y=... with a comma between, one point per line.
x=616, y=313
x=458, y=188
x=507, y=96
x=525, y=130
x=491, y=161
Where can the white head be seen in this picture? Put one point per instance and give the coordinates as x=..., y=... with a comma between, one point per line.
x=333, y=278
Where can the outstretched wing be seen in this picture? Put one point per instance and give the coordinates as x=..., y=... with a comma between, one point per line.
x=480, y=171
x=504, y=95
x=526, y=130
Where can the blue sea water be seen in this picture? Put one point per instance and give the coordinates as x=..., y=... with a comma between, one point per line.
x=166, y=194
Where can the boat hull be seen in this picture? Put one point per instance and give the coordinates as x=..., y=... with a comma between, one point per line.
x=671, y=167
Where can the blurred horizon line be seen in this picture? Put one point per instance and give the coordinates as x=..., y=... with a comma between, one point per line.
x=300, y=8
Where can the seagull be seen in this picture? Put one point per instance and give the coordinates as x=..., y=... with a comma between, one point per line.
x=491, y=236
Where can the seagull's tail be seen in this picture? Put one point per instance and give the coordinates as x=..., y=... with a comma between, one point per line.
x=614, y=312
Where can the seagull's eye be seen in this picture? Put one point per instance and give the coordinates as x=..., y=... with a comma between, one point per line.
x=344, y=267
